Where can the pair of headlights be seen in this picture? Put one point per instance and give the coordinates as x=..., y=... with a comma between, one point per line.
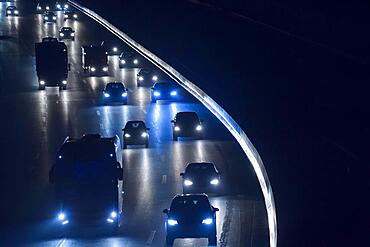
x=157, y=93
x=198, y=128
x=188, y=182
x=62, y=217
x=143, y=135
x=107, y=95
x=93, y=69
x=206, y=221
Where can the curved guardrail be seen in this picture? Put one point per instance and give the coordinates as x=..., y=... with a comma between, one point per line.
x=212, y=106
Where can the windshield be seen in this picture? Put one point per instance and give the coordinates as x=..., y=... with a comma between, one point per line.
x=188, y=204
x=200, y=169
x=115, y=86
x=135, y=125
x=187, y=117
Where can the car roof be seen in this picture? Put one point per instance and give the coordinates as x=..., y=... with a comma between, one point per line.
x=186, y=113
x=138, y=122
x=11, y=7
x=201, y=164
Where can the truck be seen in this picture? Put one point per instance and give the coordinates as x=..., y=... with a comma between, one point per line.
x=88, y=175
x=52, y=63
x=94, y=59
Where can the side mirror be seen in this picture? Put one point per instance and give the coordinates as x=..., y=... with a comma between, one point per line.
x=165, y=211
x=120, y=174
x=172, y=121
x=69, y=67
x=215, y=209
x=182, y=174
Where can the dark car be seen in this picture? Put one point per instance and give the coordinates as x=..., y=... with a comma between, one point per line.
x=42, y=7
x=191, y=216
x=128, y=60
x=87, y=177
x=66, y=33
x=165, y=91
x=187, y=124
x=12, y=11
x=49, y=16
x=112, y=48
x=200, y=178
x=135, y=133
x=61, y=6
x=70, y=15
x=146, y=76
x=115, y=92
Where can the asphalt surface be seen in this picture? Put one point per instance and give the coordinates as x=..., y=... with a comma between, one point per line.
x=34, y=124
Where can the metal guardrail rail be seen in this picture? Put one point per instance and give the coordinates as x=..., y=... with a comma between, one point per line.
x=212, y=106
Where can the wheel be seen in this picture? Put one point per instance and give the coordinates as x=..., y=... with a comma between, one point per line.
x=212, y=240
x=169, y=240
x=175, y=138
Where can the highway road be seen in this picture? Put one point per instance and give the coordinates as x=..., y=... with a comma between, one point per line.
x=34, y=124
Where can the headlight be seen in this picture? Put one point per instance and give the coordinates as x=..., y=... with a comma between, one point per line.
x=61, y=34
x=46, y=18
x=172, y=222
x=214, y=181
x=155, y=78
x=124, y=94
x=16, y=12
x=42, y=82
x=106, y=95
x=127, y=135
x=173, y=93
x=157, y=94
x=66, y=6
x=75, y=16
x=123, y=61
x=141, y=78
x=177, y=128
x=65, y=16
x=113, y=214
x=144, y=134
x=8, y=12
x=115, y=49
x=105, y=69
x=92, y=69
x=47, y=7
x=63, y=218
x=58, y=6
x=72, y=34
x=136, y=61
x=199, y=128
x=54, y=17
x=64, y=82
x=39, y=8
x=207, y=221
x=188, y=182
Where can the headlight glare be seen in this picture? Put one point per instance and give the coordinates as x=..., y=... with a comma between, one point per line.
x=144, y=134
x=127, y=135
x=188, y=182
x=157, y=94
x=106, y=95
x=177, y=128
x=214, y=181
x=207, y=221
x=172, y=222
x=105, y=69
x=141, y=78
x=199, y=128
x=155, y=78
x=124, y=94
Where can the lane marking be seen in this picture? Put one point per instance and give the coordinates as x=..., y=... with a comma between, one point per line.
x=151, y=237
x=61, y=243
x=98, y=112
x=164, y=179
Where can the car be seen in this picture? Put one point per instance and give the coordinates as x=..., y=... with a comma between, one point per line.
x=112, y=48
x=128, y=60
x=49, y=16
x=66, y=33
x=70, y=15
x=12, y=11
x=115, y=92
x=88, y=180
x=165, y=91
x=200, y=177
x=146, y=76
x=61, y=6
x=191, y=216
x=187, y=124
x=135, y=133
x=94, y=60
x=42, y=7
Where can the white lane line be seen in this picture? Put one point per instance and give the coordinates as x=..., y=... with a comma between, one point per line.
x=151, y=237
x=98, y=112
x=61, y=243
x=164, y=179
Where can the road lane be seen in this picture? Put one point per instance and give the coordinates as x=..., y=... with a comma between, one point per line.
x=40, y=120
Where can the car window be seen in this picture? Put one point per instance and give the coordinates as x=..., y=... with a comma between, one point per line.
x=135, y=125
x=112, y=86
x=188, y=204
